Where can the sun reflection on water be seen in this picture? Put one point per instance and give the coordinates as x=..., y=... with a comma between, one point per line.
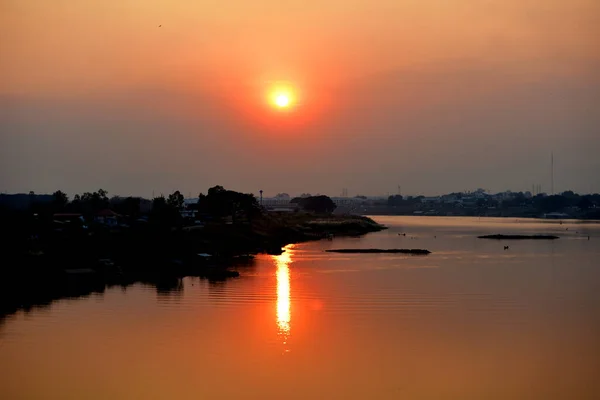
x=283, y=262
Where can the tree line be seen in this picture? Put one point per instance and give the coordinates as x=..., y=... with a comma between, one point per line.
x=217, y=203
x=541, y=202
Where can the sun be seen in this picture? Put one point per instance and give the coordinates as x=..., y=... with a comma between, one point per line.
x=282, y=96
x=282, y=100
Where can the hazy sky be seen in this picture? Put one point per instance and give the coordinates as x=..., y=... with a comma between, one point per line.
x=432, y=95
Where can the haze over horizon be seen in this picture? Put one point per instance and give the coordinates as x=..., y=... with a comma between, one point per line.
x=435, y=96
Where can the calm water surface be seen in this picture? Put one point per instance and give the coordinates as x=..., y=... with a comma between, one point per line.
x=469, y=321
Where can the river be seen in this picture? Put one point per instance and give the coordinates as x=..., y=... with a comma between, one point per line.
x=469, y=321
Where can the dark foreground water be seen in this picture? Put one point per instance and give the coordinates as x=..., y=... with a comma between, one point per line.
x=470, y=321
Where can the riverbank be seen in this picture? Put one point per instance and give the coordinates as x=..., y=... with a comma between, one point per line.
x=380, y=251
x=48, y=264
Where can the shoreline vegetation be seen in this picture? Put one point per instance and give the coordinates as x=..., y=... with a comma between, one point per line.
x=480, y=203
x=73, y=250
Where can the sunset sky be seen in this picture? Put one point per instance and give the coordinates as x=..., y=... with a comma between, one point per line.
x=143, y=96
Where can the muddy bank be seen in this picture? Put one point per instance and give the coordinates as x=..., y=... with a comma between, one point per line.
x=369, y=251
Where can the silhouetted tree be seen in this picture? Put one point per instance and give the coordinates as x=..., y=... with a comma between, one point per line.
x=75, y=204
x=176, y=200
x=216, y=190
x=164, y=214
x=197, y=205
x=318, y=204
x=220, y=202
x=31, y=198
x=59, y=200
x=91, y=202
x=159, y=203
x=129, y=206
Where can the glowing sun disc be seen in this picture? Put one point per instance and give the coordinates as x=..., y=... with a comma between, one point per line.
x=282, y=96
x=282, y=100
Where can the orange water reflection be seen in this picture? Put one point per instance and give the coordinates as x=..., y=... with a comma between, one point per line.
x=283, y=262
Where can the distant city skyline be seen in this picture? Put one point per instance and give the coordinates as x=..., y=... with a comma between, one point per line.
x=192, y=194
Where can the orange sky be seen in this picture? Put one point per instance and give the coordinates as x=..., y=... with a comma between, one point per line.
x=370, y=77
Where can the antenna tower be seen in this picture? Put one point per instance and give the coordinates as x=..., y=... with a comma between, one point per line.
x=552, y=173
